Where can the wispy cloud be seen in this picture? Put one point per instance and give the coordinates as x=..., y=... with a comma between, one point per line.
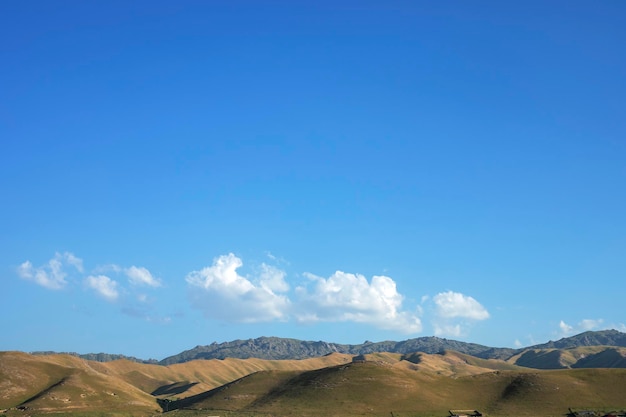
x=53, y=274
x=141, y=276
x=104, y=286
x=350, y=297
x=582, y=326
x=66, y=269
x=220, y=292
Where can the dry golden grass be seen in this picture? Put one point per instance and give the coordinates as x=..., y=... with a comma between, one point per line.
x=407, y=385
x=64, y=382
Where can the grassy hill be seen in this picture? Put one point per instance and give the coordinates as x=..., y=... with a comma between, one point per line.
x=48, y=383
x=376, y=384
x=377, y=388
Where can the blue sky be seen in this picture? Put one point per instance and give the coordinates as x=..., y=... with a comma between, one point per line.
x=178, y=173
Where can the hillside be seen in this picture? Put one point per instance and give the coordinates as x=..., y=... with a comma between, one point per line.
x=379, y=388
x=338, y=384
x=65, y=382
x=577, y=357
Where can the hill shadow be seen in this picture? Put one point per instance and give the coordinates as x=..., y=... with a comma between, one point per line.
x=173, y=389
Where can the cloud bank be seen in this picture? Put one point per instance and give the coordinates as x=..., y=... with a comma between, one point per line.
x=221, y=291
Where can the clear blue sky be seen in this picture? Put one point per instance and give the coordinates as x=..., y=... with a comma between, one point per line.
x=178, y=173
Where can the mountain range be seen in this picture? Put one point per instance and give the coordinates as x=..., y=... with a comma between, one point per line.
x=276, y=348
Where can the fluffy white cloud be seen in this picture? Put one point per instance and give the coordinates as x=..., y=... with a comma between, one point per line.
x=454, y=304
x=222, y=293
x=104, y=286
x=455, y=313
x=273, y=279
x=350, y=297
x=51, y=275
x=141, y=276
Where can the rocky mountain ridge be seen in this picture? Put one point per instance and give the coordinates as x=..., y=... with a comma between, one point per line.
x=282, y=348
x=276, y=348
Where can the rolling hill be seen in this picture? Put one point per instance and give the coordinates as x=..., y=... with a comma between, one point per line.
x=375, y=388
x=48, y=383
x=542, y=380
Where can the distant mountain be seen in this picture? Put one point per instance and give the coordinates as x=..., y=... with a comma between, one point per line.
x=277, y=348
x=98, y=357
x=600, y=338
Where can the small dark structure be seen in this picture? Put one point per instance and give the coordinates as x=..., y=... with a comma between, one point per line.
x=465, y=413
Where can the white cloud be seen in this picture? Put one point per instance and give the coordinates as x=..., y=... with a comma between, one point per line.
x=104, y=286
x=517, y=343
x=51, y=275
x=453, y=304
x=565, y=328
x=103, y=269
x=141, y=276
x=273, y=279
x=582, y=326
x=70, y=259
x=455, y=313
x=590, y=324
x=222, y=293
x=350, y=297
